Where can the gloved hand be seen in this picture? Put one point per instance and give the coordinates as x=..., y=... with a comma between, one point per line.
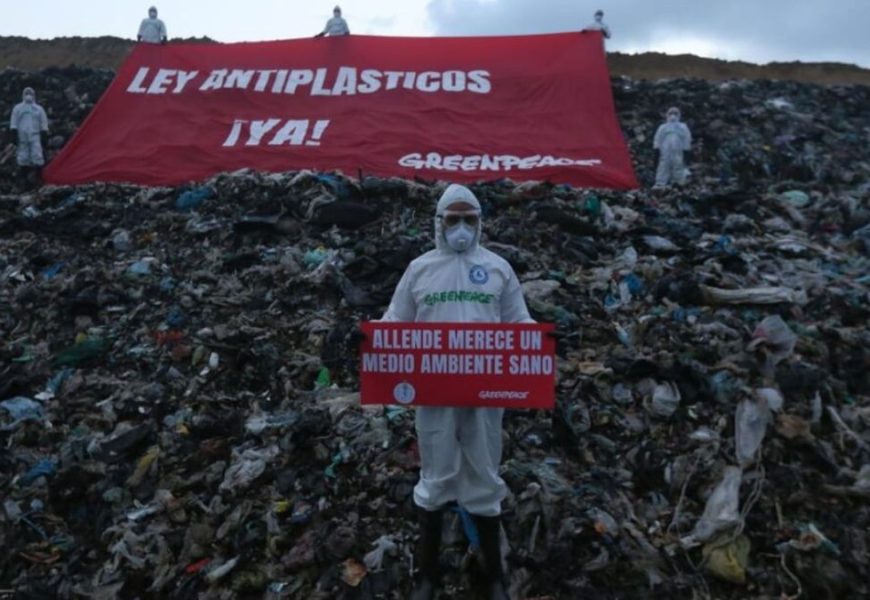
x=321, y=34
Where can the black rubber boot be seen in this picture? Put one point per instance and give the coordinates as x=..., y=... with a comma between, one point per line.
x=428, y=554
x=489, y=529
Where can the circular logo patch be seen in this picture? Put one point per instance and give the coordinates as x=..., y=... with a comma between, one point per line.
x=404, y=393
x=478, y=275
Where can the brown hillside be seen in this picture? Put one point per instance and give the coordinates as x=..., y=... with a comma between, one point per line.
x=108, y=53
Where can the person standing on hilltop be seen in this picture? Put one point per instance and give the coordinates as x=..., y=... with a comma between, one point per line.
x=152, y=30
x=599, y=25
x=336, y=25
x=27, y=125
x=671, y=140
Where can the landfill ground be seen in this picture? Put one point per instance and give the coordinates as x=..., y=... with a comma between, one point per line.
x=179, y=414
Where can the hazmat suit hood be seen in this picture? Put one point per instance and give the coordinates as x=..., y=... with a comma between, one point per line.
x=152, y=12
x=455, y=194
x=28, y=90
x=673, y=114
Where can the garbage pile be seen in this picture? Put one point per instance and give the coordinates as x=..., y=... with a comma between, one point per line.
x=179, y=411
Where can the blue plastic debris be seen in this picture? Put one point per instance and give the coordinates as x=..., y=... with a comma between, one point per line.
x=54, y=384
x=167, y=284
x=140, y=267
x=634, y=283
x=726, y=245
x=44, y=468
x=51, y=272
x=337, y=186
x=176, y=318
x=468, y=526
x=191, y=199
x=21, y=409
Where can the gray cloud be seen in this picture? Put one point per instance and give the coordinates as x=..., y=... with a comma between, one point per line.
x=753, y=30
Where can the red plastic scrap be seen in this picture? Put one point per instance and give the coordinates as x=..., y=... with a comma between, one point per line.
x=197, y=566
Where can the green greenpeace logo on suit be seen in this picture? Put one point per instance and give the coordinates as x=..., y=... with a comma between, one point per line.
x=458, y=296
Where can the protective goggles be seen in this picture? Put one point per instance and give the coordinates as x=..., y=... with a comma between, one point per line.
x=453, y=219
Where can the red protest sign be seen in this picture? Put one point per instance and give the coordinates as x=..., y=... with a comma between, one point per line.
x=534, y=107
x=458, y=364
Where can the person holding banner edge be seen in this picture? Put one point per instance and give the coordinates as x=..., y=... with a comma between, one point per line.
x=335, y=26
x=460, y=448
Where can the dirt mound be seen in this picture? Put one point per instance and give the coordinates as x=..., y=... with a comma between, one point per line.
x=109, y=52
x=654, y=65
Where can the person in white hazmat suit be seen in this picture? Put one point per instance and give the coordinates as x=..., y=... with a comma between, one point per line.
x=27, y=125
x=599, y=25
x=460, y=448
x=671, y=140
x=152, y=30
x=336, y=25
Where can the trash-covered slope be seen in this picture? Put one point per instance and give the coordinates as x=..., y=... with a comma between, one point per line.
x=178, y=408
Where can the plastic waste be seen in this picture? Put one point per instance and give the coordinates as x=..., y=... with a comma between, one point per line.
x=122, y=242
x=728, y=559
x=51, y=272
x=246, y=466
x=44, y=468
x=374, y=560
x=759, y=295
x=257, y=424
x=468, y=526
x=314, y=258
x=657, y=243
x=352, y=572
x=665, y=399
x=750, y=426
x=592, y=206
x=140, y=267
x=809, y=539
x=796, y=198
x=21, y=409
x=191, y=199
x=603, y=522
x=722, y=510
x=323, y=379
x=217, y=572
x=85, y=351
x=777, y=339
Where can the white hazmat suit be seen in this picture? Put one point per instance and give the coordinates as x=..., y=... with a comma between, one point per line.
x=29, y=120
x=599, y=25
x=336, y=25
x=460, y=448
x=671, y=140
x=152, y=30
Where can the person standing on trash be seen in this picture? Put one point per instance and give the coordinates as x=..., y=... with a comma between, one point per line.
x=460, y=448
x=152, y=30
x=599, y=25
x=671, y=140
x=28, y=125
x=335, y=26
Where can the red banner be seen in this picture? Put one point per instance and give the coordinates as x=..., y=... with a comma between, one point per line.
x=458, y=109
x=458, y=364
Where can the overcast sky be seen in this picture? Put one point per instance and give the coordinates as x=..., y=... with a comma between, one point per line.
x=752, y=30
